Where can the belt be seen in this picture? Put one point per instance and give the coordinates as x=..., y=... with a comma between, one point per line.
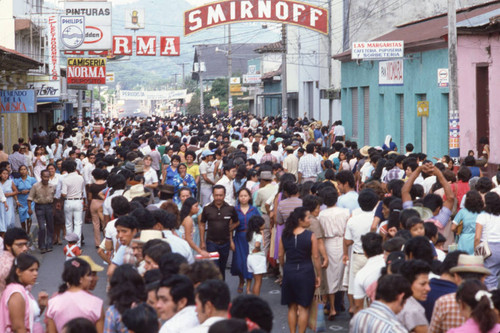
x=358, y=253
x=74, y=198
x=36, y=203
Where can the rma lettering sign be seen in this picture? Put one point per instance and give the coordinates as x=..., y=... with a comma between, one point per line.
x=280, y=11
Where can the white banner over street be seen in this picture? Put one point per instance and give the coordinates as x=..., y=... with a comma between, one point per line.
x=377, y=50
x=159, y=95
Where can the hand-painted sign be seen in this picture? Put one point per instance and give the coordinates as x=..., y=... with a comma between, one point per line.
x=281, y=11
x=54, y=65
x=390, y=73
x=46, y=90
x=377, y=50
x=17, y=101
x=423, y=108
x=86, y=71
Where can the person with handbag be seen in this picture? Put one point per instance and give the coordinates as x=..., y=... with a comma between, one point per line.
x=487, y=238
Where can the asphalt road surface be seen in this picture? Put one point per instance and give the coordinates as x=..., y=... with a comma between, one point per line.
x=49, y=279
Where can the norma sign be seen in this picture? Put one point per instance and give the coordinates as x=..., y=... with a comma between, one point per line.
x=443, y=77
x=86, y=71
x=97, y=27
x=377, y=50
x=54, y=66
x=17, y=101
x=146, y=45
x=423, y=108
x=390, y=73
x=281, y=11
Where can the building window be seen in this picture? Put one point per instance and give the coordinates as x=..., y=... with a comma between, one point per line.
x=355, y=123
x=401, y=105
x=366, y=114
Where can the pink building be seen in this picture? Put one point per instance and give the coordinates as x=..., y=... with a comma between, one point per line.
x=479, y=84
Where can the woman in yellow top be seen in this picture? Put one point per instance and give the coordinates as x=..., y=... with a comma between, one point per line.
x=192, y=168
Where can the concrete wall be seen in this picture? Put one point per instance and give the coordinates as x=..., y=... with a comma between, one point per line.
x=420, y=77
x=474, y=51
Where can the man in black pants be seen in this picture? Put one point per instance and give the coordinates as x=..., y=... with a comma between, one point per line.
x=220, y=219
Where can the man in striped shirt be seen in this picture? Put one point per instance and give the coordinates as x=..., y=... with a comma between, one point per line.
x=380, y=317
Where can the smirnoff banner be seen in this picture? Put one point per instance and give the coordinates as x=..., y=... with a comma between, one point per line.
x=86, y=71
x=281, y=11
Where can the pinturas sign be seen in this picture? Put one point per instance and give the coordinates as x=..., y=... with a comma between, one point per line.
x=281, y=11
x=86, y=71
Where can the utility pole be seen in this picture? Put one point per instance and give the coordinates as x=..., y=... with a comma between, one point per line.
x=454, y=132
x=230, y=73
x=329, y=61
x=200, y=77
x=284, y=100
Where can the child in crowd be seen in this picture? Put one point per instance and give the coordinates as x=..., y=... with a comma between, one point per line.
x=256, y=260
x=72, y=250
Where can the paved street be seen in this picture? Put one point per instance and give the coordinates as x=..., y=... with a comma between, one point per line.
x=49, y=279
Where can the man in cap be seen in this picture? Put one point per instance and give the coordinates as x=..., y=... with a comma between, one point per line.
x=207, y=179
x=447, y=314
x=291, y=162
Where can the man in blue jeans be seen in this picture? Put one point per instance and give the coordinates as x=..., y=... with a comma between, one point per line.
x=220, y=219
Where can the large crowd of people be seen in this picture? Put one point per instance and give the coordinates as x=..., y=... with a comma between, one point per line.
x=401, y=241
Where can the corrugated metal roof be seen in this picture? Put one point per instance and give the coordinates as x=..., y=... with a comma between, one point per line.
x=430, y=33
x=478, y=20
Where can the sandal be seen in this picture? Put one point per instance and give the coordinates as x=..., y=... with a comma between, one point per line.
x=240, y=290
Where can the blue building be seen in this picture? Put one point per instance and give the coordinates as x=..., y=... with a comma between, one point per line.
x=380, y=97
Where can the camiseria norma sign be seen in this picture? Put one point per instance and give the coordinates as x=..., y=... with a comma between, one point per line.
x=86, y=71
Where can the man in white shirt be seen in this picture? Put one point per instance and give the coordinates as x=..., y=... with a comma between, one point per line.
x=371, y=271
x=212, y=304
x=175, y=304
x=57, y=149
x=168, y=223
x=339, y=131
x=358, y=225
x=73, y=190
x=88, y=168
x=227, y=181
x=309, y=166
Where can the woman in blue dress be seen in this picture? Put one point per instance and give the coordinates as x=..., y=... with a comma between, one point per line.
x=299, y=280
x=24, y=185
x=172, y=170
x=7, y=213
x=245, y=211
x=468, y=216
x=183, y=179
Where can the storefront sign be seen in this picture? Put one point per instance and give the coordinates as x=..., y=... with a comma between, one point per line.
x=281, y=11
x=152, y=95
x=423, y=108
x=146, y=45
x=251, y=78
x=46, y=90
x=53, y=36
x=17, y=101
x=86, y=71
x=377, y=50
x=390, y=73
x=72, y=31
x=97, y=25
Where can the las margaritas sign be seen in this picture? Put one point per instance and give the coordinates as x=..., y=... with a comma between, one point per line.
x=232, y=11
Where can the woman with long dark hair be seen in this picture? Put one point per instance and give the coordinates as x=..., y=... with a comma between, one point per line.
x=245, y=211
x=467, y=216
x=74, y=300
x=488, y=230
x=476, y=305
x=126, y=287
x=302, y=258
x=189, y=208
x=24, y=185
x=19, y=311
